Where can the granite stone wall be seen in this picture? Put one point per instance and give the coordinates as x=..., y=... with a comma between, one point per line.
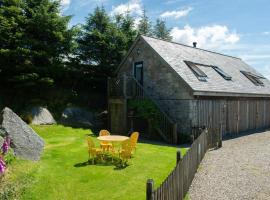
x=162, y=83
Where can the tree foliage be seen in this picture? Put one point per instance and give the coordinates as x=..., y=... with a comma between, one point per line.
x=104, y=42
x=34, y=42
x=126, y=24
x=161, y=31
x=145, y=26
x=40, y=53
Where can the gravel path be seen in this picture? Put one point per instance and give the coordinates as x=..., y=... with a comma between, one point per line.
x=239, y=170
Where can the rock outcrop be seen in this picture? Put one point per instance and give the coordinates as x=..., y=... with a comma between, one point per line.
x=1, y=141
x=41, y=116
x=24, y=141
x=77, y=117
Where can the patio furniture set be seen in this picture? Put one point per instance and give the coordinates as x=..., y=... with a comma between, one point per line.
x=116, y=146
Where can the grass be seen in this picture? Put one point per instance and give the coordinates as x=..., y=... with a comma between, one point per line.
x=62, y=172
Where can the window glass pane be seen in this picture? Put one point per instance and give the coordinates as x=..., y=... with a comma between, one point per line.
x=138, y=72
x=222, y=73
x=198, y=72
x=255, y=79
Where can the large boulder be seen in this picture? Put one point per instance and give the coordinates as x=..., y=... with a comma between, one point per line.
x=78, y=117
x=41, y=116
x=24, y=141
x=1, y=141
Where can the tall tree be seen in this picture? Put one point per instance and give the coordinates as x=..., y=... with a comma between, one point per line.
x=161, y=31
x=145, y=26
x=101, y=44
x=12, y=23
x=34, y=41
x=125, y=23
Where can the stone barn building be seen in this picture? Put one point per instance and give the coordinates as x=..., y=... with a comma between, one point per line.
x=190, y=87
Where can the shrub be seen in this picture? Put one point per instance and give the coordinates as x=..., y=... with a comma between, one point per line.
x=145, y=109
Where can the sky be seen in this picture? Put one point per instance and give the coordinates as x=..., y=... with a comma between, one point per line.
x=238, y=28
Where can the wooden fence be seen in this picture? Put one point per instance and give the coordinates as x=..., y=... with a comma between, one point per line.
x=232, y=116
x=177, y=184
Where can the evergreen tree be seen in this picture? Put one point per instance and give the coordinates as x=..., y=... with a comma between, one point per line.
x=145, y=27
x=125, y=23
x=161, y=31
x=12, y=23
x=101, y=44
x=34, y=41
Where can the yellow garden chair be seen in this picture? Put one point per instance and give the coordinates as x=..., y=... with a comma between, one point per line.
x=125, y=153
x=134, y=139
x=93, y=152
x=106, y=146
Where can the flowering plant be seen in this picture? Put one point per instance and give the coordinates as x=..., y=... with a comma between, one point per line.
x=2, y=165
x=6, y=145
x=3, y=152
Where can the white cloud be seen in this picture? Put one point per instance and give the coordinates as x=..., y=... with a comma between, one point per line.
x=211, y=37
x=255, y=57
x=266, y=33
x=172, y=1
x=176, y=13
x=137, y=22
x=134, y=7
x=65, y=4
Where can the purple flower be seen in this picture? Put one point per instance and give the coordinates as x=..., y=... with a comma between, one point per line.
x=2, y=166
x=6, y=145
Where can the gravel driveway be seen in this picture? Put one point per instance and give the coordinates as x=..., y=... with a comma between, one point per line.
x=239, y=170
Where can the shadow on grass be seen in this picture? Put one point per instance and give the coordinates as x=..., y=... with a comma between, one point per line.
x=119, y=165
x=160, y=143
x=83, y=164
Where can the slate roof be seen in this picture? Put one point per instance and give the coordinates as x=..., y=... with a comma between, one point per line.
x=175, y=54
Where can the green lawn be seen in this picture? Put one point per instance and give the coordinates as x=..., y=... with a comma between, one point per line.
x=61, y=174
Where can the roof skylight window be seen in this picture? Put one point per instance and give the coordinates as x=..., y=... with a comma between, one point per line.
x=201, y=75
x=222, y=73
x=255, y=79
x=197, y=71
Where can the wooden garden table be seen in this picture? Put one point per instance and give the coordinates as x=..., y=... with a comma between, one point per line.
x=112, y=138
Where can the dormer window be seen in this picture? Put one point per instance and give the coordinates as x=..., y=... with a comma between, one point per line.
x=195, y=69
x=255, y=79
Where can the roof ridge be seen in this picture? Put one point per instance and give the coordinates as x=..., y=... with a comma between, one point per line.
x=191, y=46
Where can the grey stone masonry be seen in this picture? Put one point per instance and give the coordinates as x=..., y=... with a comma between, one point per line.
x=162, y=83
x=24, y=141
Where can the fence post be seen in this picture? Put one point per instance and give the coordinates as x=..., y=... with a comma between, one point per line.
x=220, y=137
x=178, y=156
x=192, y=138
x=149, y=189
x=175, y=133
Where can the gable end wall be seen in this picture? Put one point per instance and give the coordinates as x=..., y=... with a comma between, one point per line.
x=162, y=83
